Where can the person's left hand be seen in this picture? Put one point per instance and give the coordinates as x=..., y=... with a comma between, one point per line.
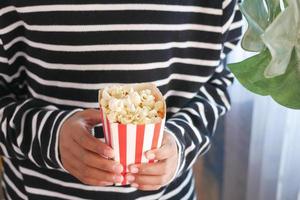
x=152, y=176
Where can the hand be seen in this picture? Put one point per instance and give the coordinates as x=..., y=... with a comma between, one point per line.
x=83, y=155
x=152, y=176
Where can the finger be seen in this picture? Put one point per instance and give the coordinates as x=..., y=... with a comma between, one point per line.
x=88, y=175
x=89, y=142
x=91, y=116
x=92, y=173
x=157, y=168
x=94, y=160
x=168, y=148
x=95, y=182
x=69, y=161
x=106, y=183
x=147, y=187
x=84, y=172
x=147, y=180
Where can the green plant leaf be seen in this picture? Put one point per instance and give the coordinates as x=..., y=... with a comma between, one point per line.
x=284, y=89
x=288, y=94
x=273, y=8
x=257, y=18
x=275, y=70
x=281, y=37
x=250, y=72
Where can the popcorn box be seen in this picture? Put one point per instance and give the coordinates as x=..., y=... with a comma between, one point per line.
x=131, y=141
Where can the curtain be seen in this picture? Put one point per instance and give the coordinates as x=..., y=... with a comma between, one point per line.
x=274, y=159
x=262, y=147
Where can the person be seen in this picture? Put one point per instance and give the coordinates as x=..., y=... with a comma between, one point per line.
x=55, y=55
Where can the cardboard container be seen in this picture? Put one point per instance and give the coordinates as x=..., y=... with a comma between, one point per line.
x=131, y=141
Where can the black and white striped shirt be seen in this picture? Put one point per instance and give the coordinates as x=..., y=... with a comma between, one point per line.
x=56, y=54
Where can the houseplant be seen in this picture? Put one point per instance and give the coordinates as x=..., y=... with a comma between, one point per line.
x=274, y=32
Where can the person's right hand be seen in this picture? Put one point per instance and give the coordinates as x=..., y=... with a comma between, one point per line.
x=83, y=155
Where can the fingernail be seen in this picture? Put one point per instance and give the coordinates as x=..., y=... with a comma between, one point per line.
x=134, y=169
x=150, y=155
x=130, y=178
x=134, y=185
x=118, y=168
x=118, y=179
x=109, y=153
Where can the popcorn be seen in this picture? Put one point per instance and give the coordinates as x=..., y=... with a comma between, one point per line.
x=133, y=119
x=125, y=105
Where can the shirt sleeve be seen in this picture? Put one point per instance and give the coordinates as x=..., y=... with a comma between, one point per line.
x=29, y=128
x=195, y=123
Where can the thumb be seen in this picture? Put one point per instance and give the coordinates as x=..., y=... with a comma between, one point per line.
x=91, y=116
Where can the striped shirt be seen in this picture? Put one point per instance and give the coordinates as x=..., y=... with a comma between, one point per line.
x=56, y=54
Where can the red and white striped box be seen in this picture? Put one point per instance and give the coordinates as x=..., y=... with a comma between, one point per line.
x=131, y=141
